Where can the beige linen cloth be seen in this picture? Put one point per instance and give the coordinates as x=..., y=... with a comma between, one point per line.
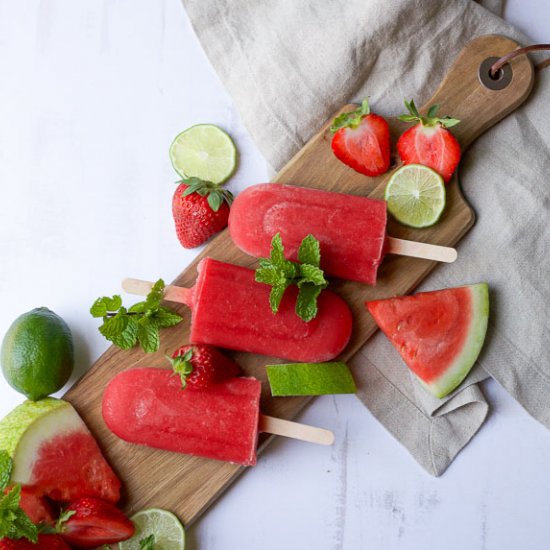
x=290, y=64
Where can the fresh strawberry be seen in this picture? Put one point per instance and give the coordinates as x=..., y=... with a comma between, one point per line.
x=201, y=366
x=429, y=142
x=200, y=209
x=362, y=141
x=91, y=522
x=45, y=542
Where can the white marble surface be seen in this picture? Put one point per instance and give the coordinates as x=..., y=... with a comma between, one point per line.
x=91, y=95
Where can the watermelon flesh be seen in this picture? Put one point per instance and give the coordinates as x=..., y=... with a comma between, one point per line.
x=37, y=508
x=438, y=334
x=54, y=453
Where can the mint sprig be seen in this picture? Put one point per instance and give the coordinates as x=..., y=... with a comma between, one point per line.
x=280, y=273
x=430, y=120
x=147, y=543
x=216, y=195
x=125, y=327
x=14, y=522
x=181, y=364
x=351, y=119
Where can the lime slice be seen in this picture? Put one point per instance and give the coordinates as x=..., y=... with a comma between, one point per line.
x=204, y=151
x=416, y=195
x=165, y=526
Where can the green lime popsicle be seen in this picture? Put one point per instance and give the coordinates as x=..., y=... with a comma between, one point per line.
x=310, y=379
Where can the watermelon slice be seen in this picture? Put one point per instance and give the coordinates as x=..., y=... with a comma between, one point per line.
x=439, y=334
x=54, y=453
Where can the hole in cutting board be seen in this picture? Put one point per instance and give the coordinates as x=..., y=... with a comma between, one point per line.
x=498, y=82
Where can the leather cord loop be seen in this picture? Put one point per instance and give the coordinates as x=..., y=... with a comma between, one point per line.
x=497, y=65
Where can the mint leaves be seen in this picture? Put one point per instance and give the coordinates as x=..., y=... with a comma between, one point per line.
x=14, y=522
x=280, y=273
x=216, y=195
x=182, y=365
x=147, y=543
x=351, y=119
x=139, y=323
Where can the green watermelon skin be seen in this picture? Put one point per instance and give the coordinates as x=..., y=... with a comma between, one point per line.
x=438, y=334
x=54, y=453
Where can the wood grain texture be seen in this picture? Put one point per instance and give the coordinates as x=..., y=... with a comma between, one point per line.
x=188, y=485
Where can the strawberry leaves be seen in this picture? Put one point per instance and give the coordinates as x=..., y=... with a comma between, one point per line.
x=147, y=543
x=280, y=273
x=14, y=522
x=182, y=365
x=351, y=119
x=430, y=120
x=216, y=195
x=139, y=323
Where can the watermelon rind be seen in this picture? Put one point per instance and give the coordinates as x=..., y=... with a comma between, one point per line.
x=25, y=420
x=465, y=360
x=37, y=427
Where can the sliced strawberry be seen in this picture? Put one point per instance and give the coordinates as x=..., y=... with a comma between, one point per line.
x=200, y=210
x=45, y=542
x=429, y=142
x=362, y=141
x=200, y=366
x=93, y=523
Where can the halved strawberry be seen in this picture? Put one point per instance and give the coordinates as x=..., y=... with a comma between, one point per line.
x=362, y=141
x=429, y=142
x=200, y=366
x=45, y=542
x=91, y=522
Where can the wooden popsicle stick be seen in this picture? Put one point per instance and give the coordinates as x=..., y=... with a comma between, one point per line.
x=426, y=251
x=172, y=293
x=295, y=430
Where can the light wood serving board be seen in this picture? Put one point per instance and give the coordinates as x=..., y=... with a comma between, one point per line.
x=188, y=485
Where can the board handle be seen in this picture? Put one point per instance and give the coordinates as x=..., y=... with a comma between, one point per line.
x=172, y=293
x=426, y=251
x=479, y=102
x=295, y=430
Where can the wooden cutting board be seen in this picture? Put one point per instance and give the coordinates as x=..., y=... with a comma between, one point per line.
x=188, y=485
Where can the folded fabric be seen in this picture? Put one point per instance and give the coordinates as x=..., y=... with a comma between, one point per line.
x=290, y=65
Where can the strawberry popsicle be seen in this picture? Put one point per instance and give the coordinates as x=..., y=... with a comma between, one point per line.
x=148, y=406
x=351, y=229
x=231, y=310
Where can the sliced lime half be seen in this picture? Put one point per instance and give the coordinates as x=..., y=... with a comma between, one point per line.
x=416, y=195
x=204, y=151
x=165, y=526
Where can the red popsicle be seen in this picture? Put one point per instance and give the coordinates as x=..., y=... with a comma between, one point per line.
x=351, y=229
x=231, y=310
x=148, y=406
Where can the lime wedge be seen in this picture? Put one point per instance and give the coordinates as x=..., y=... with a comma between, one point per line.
x=204, y=151
x=165, y=526
x=416, y=195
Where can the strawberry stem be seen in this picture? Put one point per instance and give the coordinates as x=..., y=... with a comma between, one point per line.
x=430, y=120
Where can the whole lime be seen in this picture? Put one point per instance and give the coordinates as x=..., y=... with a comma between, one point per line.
x=37, y=353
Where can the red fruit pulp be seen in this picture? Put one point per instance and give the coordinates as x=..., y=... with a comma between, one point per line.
x=428, y=329
x=70, y=466
x=433, y=146
x=365, y=148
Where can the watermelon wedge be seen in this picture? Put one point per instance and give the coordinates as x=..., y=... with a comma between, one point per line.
x=54, y=453
x=438, y=334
